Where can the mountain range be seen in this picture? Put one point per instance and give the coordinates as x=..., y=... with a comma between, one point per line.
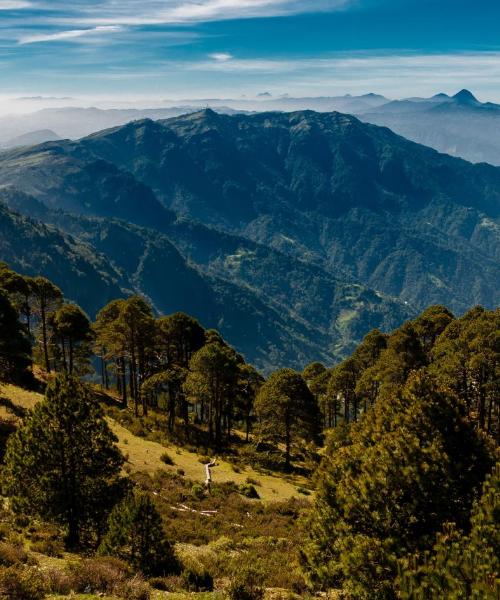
x=294, y=233
x=459, y=125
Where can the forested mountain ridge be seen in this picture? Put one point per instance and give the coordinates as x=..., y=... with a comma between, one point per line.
x=345, y=215
x=400, y=218
x=270, y=321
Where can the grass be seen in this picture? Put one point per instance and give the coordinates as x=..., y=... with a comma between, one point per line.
x=13, y=398
x=217, y=530
x=144, y=455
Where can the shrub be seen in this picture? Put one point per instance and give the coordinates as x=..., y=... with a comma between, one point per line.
x=97, y=574
x=12, y=554
x=252, y=481
x=246, y=584
x=198, y=491
x=166, y=458
x=195, y=580
x=303, y=491
x=133, y=589
x=248, y=490
x=57, y=581
x=195, y=576
x=20, y=583
x=48, y=547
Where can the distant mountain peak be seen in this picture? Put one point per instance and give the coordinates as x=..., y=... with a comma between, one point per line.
x=465, y=97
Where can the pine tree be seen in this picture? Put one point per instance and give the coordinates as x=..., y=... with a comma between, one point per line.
x=211, y=383
x=135, y=534
x=15, y=348
x=62, y=464
x=460, y=566
x=388, y=485
x=287, y=411
x=73, y=333
x=47, y=299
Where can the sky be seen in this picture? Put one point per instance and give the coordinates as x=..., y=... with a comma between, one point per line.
x=113, y=52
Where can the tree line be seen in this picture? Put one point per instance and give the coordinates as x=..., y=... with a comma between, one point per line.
x=408, y=496
x=407, y=502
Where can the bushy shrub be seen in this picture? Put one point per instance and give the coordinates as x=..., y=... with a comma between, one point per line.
x=97, y=574
x=49, y=547
x=197, y=581
x=12, y=554
x=133, y=589
x=246, y=584
x=252, y=481
x=195, y=576
x=57, y=581
x=21, y=583
x=198, y=491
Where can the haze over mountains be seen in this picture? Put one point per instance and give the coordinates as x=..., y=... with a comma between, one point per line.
x=294, y=233
x=459, y=125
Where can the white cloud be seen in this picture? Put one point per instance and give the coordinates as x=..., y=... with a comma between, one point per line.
x=465, y=63
x=165, y=12
x=62, y=36
x=14, y=4
x=221, y=56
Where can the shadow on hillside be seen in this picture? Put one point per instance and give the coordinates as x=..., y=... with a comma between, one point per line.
x=17, y=411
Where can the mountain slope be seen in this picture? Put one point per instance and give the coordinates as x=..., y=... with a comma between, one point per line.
x=313, y=220
x=327, y=188
x=300, y=316
x=33, y=248
x=459, y=125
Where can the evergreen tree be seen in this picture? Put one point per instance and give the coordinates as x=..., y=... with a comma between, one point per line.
x=47, y=299
x=73, y=334
x=171, y=381
x=287, y=411
x=20, y=291
x=312, y=371
x=135, y=534
x=461, y=566
x=249, y=383
x=211, y=383
x=15, y=348
x=179, y=337
x=430, y=324
x=62, y=464
x=466, y=357
x=387, y=487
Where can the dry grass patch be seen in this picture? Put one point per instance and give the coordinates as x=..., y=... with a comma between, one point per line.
x=144, y=455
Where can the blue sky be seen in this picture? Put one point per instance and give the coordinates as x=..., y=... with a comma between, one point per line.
x=159, y=49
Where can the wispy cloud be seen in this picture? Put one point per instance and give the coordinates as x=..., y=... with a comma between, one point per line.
x=170, y=12
x=14, y=4
x=64, y=36
x=389, y=62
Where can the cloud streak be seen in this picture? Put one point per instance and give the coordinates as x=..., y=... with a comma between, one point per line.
x=170, y=12
x=15, y=4
x=65, y=36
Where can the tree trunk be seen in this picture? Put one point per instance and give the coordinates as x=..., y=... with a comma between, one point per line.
x=44, y=337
